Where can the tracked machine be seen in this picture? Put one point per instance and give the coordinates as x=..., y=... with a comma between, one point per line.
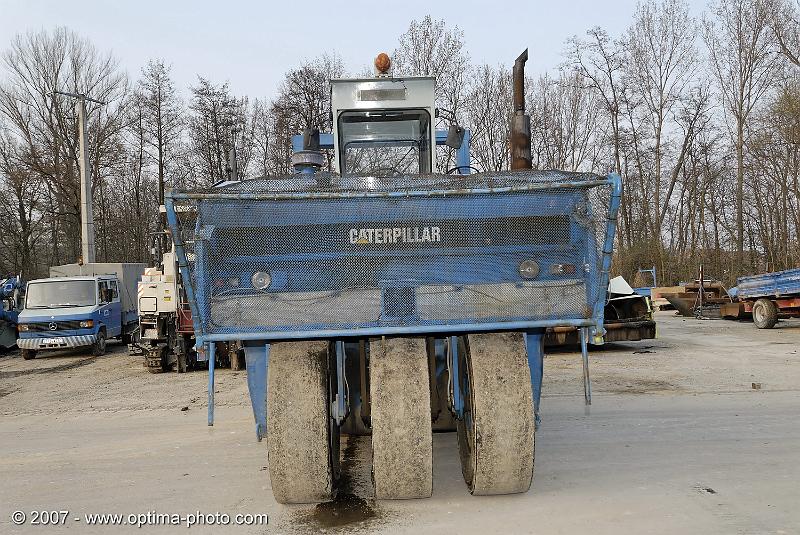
x=378, y=297
x=166, y=333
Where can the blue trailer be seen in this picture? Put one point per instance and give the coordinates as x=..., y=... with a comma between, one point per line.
x=376, y=298
x=768, y=296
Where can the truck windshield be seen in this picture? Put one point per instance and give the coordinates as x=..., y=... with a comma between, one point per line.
x=384, y=142
x=59, y=294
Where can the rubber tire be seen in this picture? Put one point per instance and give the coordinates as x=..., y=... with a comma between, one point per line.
x=402, y=442
x=298, y=422
x=29, y=354
x=765, y=314
x=99, y=346
x=496, y=437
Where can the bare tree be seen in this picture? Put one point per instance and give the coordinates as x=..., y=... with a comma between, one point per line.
x=784, y=19
x=303, y=101
x=162, y=115
x=217, y=117
x=660, y=46
x=739, y=46
x=566, y=131
x=36, y=65
x=600, y=62
x=488, y=113
x=20, y=209
x=431, y=48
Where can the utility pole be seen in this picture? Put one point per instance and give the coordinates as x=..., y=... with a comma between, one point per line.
x=87, y=211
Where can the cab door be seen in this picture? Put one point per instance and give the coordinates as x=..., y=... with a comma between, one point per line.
x=115, y=306
x=110, y=312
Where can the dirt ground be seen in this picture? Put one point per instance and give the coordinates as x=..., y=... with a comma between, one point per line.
x=697, y=431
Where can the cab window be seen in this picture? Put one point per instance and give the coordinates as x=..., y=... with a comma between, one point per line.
x=385, y=142
x=102, y=286
x=114, y=292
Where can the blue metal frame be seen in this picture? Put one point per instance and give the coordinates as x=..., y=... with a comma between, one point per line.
x=212, y=349
x=340, y=405
x=608, y=250
x=183, y=266
x=587, y=384
x=452, y=356
x=258, y=361
x=534, y=343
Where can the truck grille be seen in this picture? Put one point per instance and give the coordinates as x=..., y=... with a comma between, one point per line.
x=66, y=325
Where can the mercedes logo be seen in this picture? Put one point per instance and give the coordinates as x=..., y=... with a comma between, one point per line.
x=53, y=326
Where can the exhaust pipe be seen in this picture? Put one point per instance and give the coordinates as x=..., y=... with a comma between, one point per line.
x=520, y=122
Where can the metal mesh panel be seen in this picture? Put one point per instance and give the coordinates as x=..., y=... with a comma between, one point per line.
x=323, y=252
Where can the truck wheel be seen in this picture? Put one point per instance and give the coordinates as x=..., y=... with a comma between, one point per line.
x=99, y=346
x=29, y=354
x=765, y=314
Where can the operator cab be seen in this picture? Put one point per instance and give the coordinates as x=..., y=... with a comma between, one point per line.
x=384, y=126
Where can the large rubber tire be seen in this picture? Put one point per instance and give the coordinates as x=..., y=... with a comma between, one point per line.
x=402, y=442
x=496, y=435
x=765, y=314
x=29, y=354
x=99, y=346
x=298, y=424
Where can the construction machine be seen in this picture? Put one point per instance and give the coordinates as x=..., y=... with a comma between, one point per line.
x=166, y=334
x=12, y=300
x=358, y=293
x=166, y=337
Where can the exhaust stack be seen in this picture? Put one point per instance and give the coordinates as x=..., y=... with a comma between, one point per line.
x=521, y=122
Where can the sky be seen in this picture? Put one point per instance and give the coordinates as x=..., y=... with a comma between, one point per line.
x=252, y=44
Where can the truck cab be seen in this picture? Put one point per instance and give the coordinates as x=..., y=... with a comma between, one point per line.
x=84, y=306
x=67, y=312
x=384, y=126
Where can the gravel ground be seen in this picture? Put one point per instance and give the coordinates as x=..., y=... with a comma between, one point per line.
x=697, y=431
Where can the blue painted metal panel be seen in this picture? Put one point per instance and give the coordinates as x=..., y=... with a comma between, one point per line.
x=257, y=361
x=462, y=155
x=534, y=343
x=314, y=271
x=777, y=284
x=400, y=330
x=296, y=269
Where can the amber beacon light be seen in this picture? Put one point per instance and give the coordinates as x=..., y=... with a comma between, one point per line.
x=383, y=63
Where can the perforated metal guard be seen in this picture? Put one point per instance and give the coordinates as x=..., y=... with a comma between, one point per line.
x=369, y=253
